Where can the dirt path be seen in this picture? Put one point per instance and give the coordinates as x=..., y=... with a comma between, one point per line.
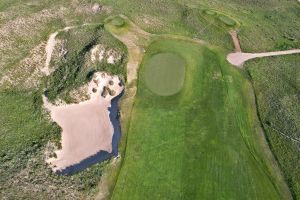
x=49, y=49
x=236, y=41
x=86, y=127
x=51, y=45
x=239, y=58
x=135, y=39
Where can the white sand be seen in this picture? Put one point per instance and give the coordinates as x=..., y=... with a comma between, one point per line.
x=86, y=127
x=97, y=53
x=49, y=50
x=111, y=59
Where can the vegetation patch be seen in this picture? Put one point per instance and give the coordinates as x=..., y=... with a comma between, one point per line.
x=164, y=73
x=76, y=69
x=277, y=91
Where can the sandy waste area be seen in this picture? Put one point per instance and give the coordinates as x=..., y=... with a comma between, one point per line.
x=86, y=127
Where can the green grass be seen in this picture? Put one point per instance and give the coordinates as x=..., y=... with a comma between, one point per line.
x=164, y=73
x=223, y=18
x=276, y=30
x=277, y=86
x=118, y=21
x=17, y=132
x=227, y=20
x=202, y=143
x=273, y=26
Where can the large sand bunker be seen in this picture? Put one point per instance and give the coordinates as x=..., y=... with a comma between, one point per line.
x=86, y=127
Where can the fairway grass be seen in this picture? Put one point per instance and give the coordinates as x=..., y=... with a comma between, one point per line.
x=164, y=73
x=203, y=142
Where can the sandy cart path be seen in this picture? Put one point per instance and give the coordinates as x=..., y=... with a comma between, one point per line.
x=239, y=58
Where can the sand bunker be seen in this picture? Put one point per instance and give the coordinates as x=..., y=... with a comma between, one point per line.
x=86, y=127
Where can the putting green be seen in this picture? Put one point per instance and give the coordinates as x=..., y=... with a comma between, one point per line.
x=164, y=73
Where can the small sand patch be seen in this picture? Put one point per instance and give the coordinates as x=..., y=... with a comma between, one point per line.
x=100, y=53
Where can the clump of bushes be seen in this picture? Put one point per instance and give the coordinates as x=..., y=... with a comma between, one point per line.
x=285, y=44
x=107, y=90
x=65, y=76
x=104, y=92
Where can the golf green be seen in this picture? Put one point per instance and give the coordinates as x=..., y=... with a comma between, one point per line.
x=164, y=73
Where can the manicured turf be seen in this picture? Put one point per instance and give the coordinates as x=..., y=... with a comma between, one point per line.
x=203, y=142
x=118, y=21
x=164, y=73
x=227, y=20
